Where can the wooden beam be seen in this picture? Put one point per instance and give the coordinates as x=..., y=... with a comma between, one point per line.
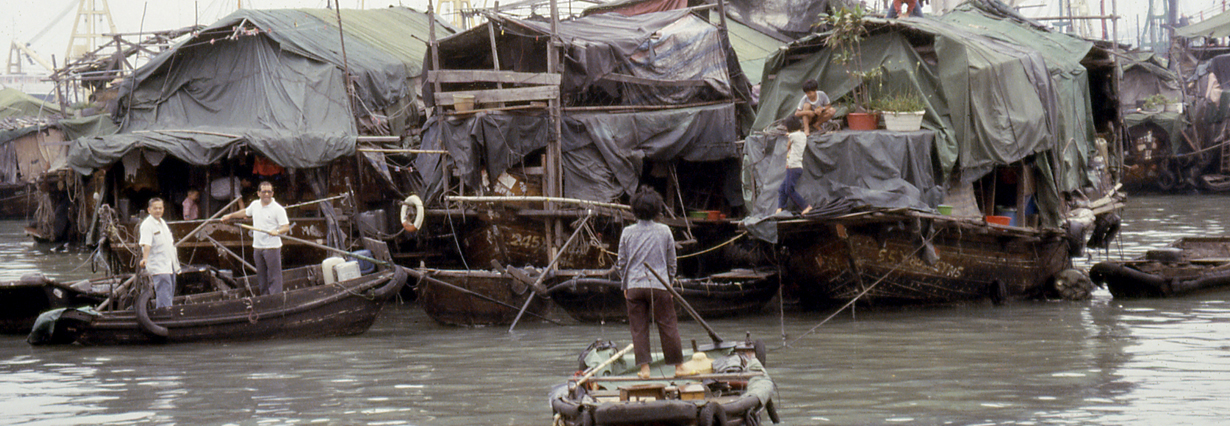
x=492, y=76
x=623, y=78
x=535, y=93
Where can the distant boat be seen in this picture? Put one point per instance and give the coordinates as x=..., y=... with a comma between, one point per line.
x=307, y=307
x=727, y=294
x=22, y=300
x=1186, y=266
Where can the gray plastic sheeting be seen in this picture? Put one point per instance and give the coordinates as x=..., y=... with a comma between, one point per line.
x=878, y=169
x=603, y=153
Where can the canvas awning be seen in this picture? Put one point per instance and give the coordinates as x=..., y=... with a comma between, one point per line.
x=271, y=80
x=1215, y=27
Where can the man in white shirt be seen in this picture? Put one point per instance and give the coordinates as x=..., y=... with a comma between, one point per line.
x=158, y=255
x=270, y=216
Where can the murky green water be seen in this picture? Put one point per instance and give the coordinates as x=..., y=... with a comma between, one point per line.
x=1104, y=361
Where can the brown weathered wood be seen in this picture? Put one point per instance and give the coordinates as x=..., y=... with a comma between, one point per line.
x=492, y=76
x=536, y=93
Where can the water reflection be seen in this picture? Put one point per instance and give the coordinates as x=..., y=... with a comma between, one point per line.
x=1105, y=361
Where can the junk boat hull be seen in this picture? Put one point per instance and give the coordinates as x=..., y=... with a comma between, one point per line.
x=23, y=300
x=306, y=308
x=1186, y=266
x=879, y=263
x=738, y=292
x=475, y=298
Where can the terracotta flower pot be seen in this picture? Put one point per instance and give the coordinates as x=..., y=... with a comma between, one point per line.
x=861, y=121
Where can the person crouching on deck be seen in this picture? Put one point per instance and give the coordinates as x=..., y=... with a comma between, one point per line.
x=814, y=107
x=649, y=244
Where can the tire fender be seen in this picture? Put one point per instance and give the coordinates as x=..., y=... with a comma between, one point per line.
x=408, y=223
x=142, y=308
x=711, y=414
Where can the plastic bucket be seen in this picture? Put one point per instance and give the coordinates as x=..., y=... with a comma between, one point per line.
x=903, y=121
x=999, y=220
x=463, y=102
x=944, y=209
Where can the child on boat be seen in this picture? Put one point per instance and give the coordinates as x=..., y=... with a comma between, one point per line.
x=794, y=167
x=814, y=108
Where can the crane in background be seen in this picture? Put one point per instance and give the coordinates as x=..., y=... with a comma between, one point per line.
x=18, y=50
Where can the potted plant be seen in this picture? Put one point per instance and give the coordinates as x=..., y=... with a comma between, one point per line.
x=846, y=32
x=1155, y=103
x=903, y=112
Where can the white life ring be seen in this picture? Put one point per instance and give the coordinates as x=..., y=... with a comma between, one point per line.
x=414, y=224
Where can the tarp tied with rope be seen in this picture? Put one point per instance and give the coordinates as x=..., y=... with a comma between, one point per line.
x=273, y=80
x=997, y=90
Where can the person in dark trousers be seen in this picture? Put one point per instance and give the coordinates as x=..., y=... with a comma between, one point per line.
x=794, y=167
x=268, y=215
x=644, y=245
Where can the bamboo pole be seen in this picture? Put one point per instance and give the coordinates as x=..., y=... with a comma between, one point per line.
x=202, y=225
x=403, y=151
x=538, y=282
x=590, y=373
x=686, y=306
x=536, y=199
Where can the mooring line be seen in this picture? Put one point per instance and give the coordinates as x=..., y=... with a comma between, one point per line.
x=869, y=288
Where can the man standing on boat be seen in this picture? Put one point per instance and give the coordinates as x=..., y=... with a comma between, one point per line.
x=158, y=255
x=270, y=216
x=643, y=245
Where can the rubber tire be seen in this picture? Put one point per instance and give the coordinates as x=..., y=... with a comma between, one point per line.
x=586, y=418
x=142, y=310
x=711, y=414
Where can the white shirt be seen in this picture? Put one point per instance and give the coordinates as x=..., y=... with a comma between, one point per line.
x=822, y=99
x=162, y=256
x=794, y=157
x=268, y=218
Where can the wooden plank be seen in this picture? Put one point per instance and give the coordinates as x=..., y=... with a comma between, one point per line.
x=493, y=76
x=536, y=93
x=652, y=82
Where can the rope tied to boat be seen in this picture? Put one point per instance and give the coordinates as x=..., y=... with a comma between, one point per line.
x=253, y=317
x=868, y=289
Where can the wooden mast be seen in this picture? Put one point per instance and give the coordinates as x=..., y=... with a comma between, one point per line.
x=554, y=182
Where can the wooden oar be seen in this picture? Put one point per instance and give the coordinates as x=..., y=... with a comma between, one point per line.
x=590, y=373
x=410, y=271
x=119, y=290
x=686, y=306
x=202, y=225
x=538, y=282
x=129, y=281
x=319, y=246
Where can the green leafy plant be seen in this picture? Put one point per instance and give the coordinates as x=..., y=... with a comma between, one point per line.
x=899, y=102
x=1156, y=101
x=847, y=29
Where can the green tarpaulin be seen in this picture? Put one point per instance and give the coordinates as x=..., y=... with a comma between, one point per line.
x=273, y=80
x=997, y=91
x=15, y=103
x=1215, y=27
